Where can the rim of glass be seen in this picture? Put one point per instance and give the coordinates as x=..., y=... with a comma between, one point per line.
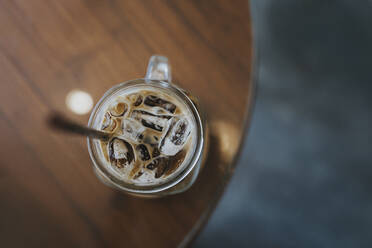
x=148, y=189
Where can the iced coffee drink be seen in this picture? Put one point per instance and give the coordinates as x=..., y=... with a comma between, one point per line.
x=153, y=135
x=157, y=136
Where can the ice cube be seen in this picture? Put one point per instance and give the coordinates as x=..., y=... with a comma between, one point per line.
x=153, y=101
x=120, y=152
x=156, y=122
x=109, y=123
x=132, y=130
x=175, y=137
x=143, y=152
x=161, y=165
x=136, y=99
x=155, y=152
x=150, y=139
x=119, y=109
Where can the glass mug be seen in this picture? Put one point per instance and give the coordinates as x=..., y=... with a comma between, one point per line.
x=158, y=77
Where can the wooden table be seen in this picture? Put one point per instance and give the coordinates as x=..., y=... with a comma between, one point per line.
x=50, y=196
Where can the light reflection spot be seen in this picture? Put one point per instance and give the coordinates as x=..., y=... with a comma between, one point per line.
x=79, y=102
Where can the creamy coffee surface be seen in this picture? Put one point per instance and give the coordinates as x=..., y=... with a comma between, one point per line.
x=154, y=135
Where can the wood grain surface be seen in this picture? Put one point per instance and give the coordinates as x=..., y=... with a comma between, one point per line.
x=49, y=195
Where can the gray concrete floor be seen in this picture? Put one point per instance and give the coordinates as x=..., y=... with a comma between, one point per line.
x=305, y=176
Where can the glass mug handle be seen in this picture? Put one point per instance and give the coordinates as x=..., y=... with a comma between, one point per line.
x=159, y=69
